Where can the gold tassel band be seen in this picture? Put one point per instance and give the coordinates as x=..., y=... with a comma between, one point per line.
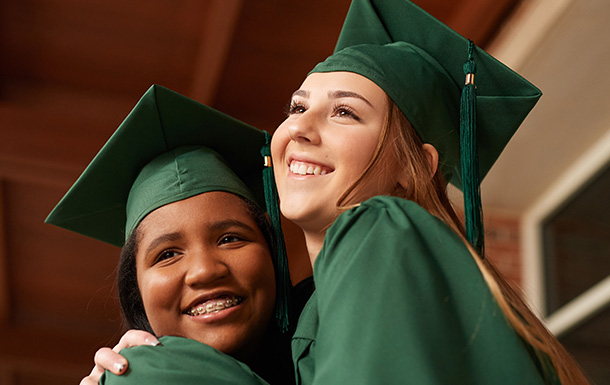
x=469, y=79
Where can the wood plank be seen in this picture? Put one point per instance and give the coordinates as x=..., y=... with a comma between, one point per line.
x=4, y=278
x=217, y=34
x=480, y=20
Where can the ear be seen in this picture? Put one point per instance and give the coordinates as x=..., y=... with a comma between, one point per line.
x=432, y=156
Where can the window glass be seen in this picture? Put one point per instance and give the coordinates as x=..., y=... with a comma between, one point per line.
x=589, y=343
x=577, y=243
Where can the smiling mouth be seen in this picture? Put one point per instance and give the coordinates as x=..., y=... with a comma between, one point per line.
x=214, y=306
x=304, y=168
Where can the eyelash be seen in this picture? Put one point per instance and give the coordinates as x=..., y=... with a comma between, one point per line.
x=233, y=239
x=292, y=107
x=349, y=110
x=164, y=255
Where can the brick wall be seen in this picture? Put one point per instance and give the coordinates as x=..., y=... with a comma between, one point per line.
x=502, y=243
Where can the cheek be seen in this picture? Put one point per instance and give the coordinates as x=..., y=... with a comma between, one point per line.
x=357, y=151
x=278, y=141
x=260, y=277
x=369, y=141
x=158, y=293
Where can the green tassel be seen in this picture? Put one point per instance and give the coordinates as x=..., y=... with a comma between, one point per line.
x=469, y=158
x=282, y=273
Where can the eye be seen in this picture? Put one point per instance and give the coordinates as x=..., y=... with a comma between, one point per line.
x=230, y=238
x=165, y=255
x=295, y=108
x=344, y=111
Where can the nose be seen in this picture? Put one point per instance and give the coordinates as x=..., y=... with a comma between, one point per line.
x=304, y=128
x=204, y=268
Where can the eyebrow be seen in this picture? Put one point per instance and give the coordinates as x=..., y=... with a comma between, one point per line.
x=335, y=95
x=216, y=226
x=170, y=237
x=221, y=225
x=301, y=93
x=347, y=94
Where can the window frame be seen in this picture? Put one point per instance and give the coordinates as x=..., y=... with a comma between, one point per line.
x=570, y=183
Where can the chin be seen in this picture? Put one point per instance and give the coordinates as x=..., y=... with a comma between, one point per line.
x=291, y=211
x=227, y=343
x=296, y=215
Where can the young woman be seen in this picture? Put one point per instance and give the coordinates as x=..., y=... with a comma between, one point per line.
x=197, y=261
x=361, y=165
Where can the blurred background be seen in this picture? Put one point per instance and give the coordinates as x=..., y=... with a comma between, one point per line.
x=71, y=70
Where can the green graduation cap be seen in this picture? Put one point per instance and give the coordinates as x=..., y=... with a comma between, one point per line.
x=428, y=70
x=169, y=148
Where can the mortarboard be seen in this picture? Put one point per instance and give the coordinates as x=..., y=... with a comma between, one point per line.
x=423, y=66
x=132, y=176
x=169, y=148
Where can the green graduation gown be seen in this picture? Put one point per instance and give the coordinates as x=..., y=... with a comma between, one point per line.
x=400, y=300
x=181, y=361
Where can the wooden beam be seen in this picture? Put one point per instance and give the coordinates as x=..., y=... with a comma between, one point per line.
x=216, y=37
x=479, y=20
x=52, y=173
x=4, y=274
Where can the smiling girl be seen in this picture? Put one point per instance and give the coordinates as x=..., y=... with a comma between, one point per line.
x=404, y=293
x=196, y=267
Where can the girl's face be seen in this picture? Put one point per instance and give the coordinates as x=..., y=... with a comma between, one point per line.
x=327, y=141
x=205, y=273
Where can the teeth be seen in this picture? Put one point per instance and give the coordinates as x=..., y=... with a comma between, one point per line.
x=214, y=306
x=306, y=169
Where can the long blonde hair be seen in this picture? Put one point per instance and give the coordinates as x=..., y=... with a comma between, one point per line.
x=399, y=145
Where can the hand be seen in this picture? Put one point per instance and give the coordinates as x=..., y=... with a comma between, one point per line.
x=110, y=359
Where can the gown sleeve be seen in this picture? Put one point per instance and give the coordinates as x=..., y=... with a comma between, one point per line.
x=401, y=301
x=181, y=361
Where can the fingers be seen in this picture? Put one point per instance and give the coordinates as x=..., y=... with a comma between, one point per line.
x=107, y=359
x=94, y=377
x=110, y=359
x=136, y=338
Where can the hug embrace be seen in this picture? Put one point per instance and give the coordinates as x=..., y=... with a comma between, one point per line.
x=401, y=291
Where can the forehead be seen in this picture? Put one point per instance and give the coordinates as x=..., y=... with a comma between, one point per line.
x=202, y=209
x=343, y=81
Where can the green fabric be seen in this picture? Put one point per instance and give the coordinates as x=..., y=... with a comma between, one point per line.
x=284, y=286
x=181, y=361
x=473, y=210
x=176, y=175
x=163, y=120
x=416, y=311
x=418, y=61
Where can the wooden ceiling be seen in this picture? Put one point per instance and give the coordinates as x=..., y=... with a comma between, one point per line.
x=70, y=72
